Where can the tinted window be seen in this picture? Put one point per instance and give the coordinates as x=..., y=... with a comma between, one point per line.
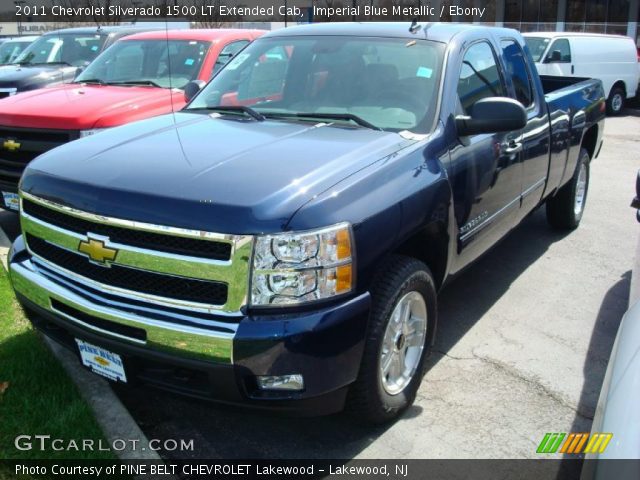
x=562, y=45
x=479, y=76
x=228, y=53
x=514, y=58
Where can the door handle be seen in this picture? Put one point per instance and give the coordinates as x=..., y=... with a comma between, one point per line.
x=573, y=69
x=512, y=148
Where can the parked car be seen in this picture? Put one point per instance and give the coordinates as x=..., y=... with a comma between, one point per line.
x=11, y=48
x=610, y=58
x=617, y=411
x=57, y=57
x=133, y=80
x=280, y=241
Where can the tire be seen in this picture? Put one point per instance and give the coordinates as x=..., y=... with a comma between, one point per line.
x=565, y=209
x=400, y=281
x=615, y=102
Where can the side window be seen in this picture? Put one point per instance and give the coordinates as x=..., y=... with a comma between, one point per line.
x=227, y=53
x=514, y=58
x=479, y=76
x=561, y=45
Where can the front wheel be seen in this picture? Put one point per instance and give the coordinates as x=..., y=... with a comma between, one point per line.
x=400, y=334
x=565, y=209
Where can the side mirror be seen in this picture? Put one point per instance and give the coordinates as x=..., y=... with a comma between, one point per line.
x=554, y=57
x=492, y=115
x=192, y=88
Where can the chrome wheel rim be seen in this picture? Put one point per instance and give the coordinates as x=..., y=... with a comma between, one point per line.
x=403, y=343
x=616, y=102
x=581, y=190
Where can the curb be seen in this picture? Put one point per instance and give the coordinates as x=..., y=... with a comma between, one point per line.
x=114, y=419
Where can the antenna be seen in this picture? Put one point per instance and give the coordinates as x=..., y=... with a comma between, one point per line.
x=173, y=111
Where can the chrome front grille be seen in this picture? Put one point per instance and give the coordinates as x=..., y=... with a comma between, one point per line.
x=177, y=268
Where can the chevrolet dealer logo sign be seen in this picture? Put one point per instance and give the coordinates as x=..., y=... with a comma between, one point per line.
x=11, y=145
x=97, y=251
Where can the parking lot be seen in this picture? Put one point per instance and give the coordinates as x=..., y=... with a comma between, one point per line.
x=523, y=342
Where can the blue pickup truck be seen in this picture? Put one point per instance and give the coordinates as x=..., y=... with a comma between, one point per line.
x=280, y=242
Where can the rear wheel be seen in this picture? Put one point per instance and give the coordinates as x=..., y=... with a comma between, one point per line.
x=565, y=209
x=401, y=330
x=615, y=102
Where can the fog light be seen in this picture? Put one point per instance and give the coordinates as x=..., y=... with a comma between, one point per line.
x=281, y=382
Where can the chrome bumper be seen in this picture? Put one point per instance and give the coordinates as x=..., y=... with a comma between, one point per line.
x=194, y=338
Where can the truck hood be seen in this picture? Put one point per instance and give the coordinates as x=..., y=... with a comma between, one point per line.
x=193, y=170
x=16, y=76
x=81, y=106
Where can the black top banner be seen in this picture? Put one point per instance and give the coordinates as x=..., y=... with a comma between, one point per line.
x=230, y=11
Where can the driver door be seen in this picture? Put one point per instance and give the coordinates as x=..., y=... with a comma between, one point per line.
x=486, y=171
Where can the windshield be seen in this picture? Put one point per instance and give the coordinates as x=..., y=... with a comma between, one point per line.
x=71, y=49
x=10, y=50
x=162, y=63
x=537, y=47
x=384, y=83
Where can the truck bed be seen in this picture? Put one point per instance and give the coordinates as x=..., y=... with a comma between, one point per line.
x=551, y=84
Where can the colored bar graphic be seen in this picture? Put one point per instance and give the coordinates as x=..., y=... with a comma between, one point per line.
x=574, y=443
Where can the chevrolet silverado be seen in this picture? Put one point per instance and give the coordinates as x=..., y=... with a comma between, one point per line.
x=280, y=242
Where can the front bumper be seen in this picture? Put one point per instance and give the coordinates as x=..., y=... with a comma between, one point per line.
x=213, y=360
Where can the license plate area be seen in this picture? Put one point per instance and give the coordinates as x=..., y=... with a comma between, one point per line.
x=11, y=200
x=101, y=361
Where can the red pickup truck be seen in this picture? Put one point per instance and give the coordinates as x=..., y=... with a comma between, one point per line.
x=140, y=76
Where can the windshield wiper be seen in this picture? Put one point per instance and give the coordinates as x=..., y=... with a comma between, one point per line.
x=33, y=64
x=329, y=116
x=234, y=108
x=151, y=83
x=95, y=81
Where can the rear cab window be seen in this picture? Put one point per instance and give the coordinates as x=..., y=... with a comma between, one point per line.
x=518, y=71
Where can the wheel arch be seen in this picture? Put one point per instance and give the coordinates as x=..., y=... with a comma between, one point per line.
x=590, y=140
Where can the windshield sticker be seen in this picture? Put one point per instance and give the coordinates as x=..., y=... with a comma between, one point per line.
x=94, y=48
x=237, y=61
x=424, y=72
x=189, y=61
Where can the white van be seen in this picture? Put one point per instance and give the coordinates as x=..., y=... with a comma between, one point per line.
x=610, y=58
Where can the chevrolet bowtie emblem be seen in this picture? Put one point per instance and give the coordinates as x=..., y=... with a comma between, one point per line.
x=11, y=145
x=96, y=251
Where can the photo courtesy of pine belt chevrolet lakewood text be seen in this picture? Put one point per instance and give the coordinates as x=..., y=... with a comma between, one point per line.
x=279, y=242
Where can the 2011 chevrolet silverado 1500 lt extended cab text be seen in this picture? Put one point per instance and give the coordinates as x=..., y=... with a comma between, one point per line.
x=141, y=76
x=280, y=241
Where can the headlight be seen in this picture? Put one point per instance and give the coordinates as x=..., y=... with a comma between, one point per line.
x=299, y=267
x=86, y=133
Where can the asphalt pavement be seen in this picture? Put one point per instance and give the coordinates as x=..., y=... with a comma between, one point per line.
x=524, y=337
